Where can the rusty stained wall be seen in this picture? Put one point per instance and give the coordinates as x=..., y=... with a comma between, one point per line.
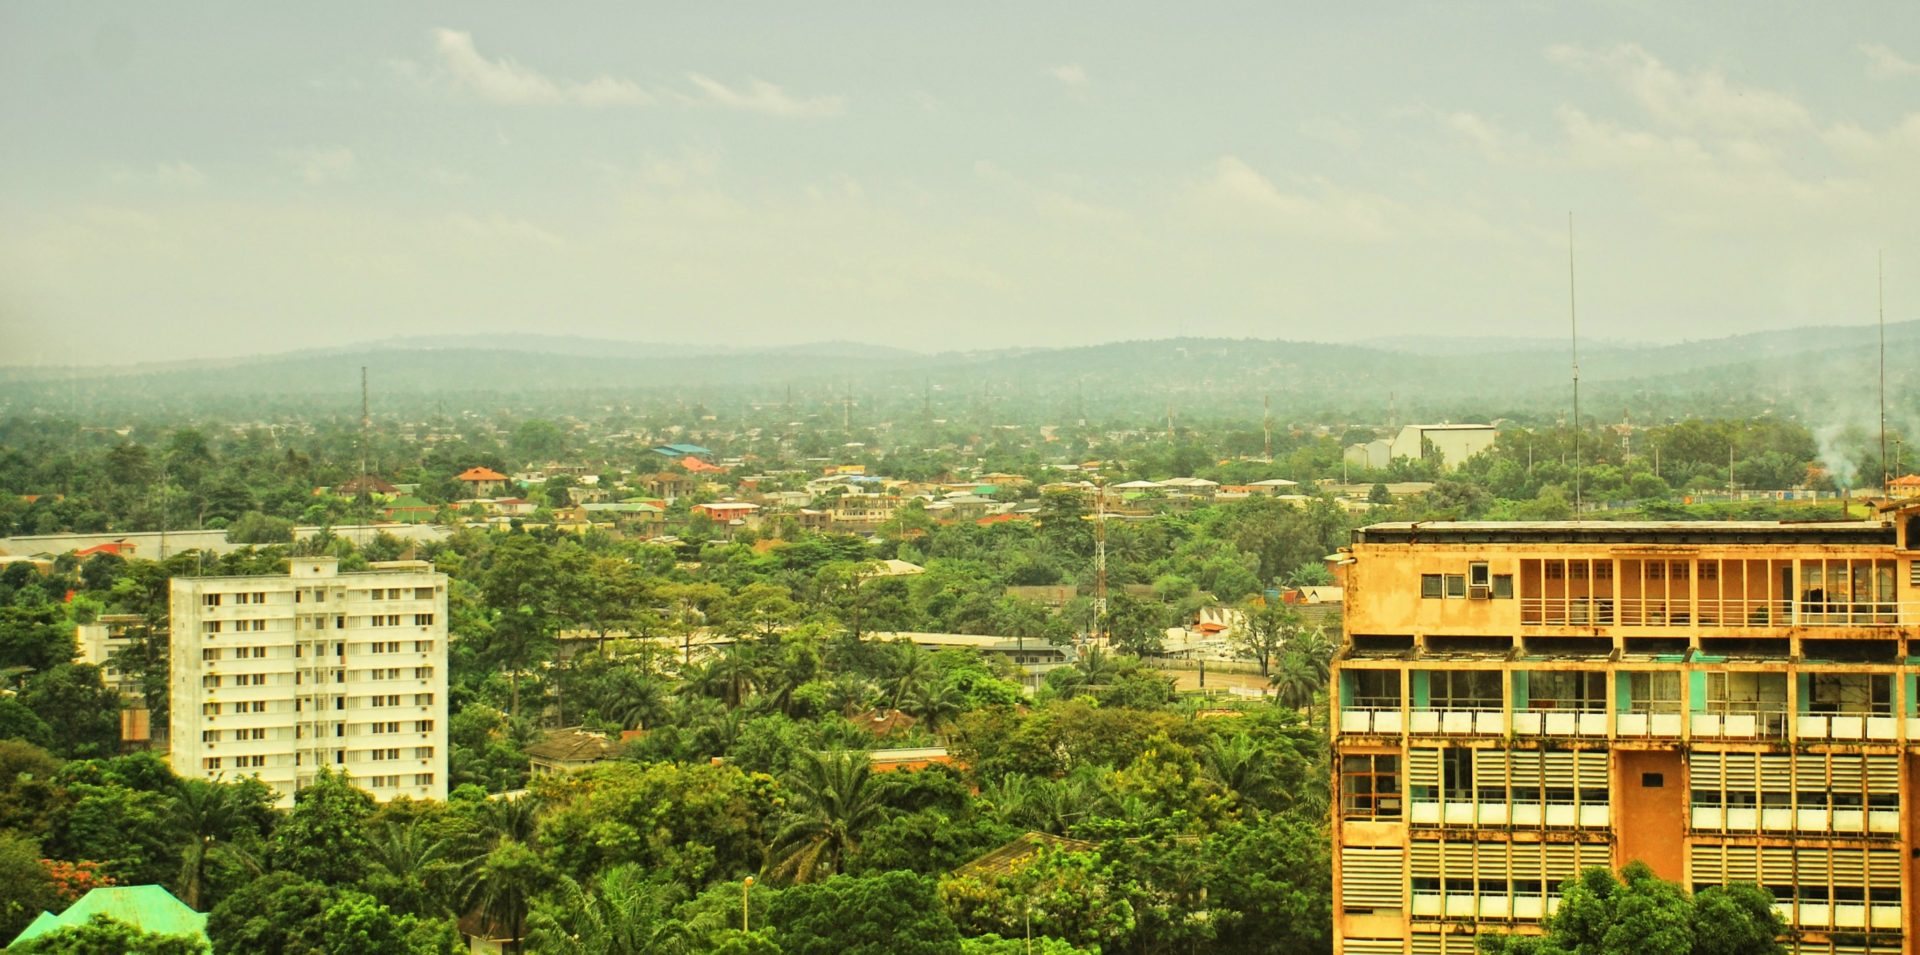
x=1650, y=822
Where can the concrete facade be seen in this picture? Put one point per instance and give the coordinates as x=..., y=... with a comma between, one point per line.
x=1727, y=702
x=276, y=676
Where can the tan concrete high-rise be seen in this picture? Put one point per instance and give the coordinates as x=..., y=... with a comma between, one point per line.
x=277, y=676
x=1726, y=702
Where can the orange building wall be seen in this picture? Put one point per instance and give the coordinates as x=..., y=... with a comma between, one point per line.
x=1651, y=823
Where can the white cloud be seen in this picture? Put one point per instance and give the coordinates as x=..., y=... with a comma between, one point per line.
x=1700, y=99
x=759, y=96
x=317, y=166
x=1882, y=61
x=506, y=82
x=497, y=227
x=171, y=175
x=1494, y=142
x=1234, y=193
x=1071, y=75
x=1331, y=131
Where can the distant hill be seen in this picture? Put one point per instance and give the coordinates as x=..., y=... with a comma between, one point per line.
x=1818, y=372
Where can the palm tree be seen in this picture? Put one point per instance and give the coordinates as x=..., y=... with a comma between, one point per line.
x=1010, y=797
x=1314, y=647
x=935, y=705
x=624, y=913
x=631, y=698
x=1295, y=683
x=1058, y=804
x=737, y=672
x=850, y=694
x=1239, y=764
x=503, y=888
x=512, y=820
x=205, y=812
x=832, y=806
x=908, y=669
x=425, y=870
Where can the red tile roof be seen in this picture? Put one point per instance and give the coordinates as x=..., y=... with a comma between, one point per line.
x=110, y=547
x=481, y=474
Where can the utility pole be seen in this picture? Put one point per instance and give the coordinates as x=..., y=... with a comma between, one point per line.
x=1099, y=561
x=1573, y=328
x=1882, y=283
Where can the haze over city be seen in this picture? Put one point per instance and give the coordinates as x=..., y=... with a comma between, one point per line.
x=200, y=181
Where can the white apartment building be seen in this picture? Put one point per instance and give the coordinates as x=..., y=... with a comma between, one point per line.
x=277, y=676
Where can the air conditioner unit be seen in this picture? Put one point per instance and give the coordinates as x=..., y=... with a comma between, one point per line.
x=1479, y=593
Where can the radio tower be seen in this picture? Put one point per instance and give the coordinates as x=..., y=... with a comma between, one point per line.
x=1266, y=423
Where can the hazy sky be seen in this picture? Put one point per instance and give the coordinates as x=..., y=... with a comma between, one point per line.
x=187, y=179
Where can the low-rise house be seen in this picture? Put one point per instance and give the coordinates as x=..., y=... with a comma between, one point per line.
x=372, y=486
x=568, y=751
x=1033, y=656
x=668, y=486
x=482, y=482
x=907, y=760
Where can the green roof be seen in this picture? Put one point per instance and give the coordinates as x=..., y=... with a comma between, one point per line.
x=148, y=908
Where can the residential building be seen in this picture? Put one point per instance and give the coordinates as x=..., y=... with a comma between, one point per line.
x=1723, y=701
x=568, y=751
x=482, y=482
x=1452, y=443
x=102, y=643
x=277, y=676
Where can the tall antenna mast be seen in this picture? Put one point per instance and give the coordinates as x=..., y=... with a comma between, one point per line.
x=1266, y=423
x=366, y=421
x=1573, y=328
x=1882, y=281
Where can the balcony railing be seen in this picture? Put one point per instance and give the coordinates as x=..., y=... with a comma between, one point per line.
x=1560, y=723
x=1368, y=720
x=1458, y=722
x=1648, y=725
x=1845, y=726
x=1760, y=724
x=1631, y=611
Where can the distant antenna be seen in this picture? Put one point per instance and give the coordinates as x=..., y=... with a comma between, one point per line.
x=1882, y=281
x=1266, y=423
x=366, y=421
x=1573, y=328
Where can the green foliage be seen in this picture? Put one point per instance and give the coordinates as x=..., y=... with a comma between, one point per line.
x=1640, y=913
x=896, y=913
x=82, y=715
x=284, y=914
x=323, y=837
x=832, y=803
x=26, y=889
x=692, y=823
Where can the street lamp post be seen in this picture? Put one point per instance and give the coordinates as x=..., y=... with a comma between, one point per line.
x=744, y=886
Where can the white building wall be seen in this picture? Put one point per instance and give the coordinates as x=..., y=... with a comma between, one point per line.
x=276, y=676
